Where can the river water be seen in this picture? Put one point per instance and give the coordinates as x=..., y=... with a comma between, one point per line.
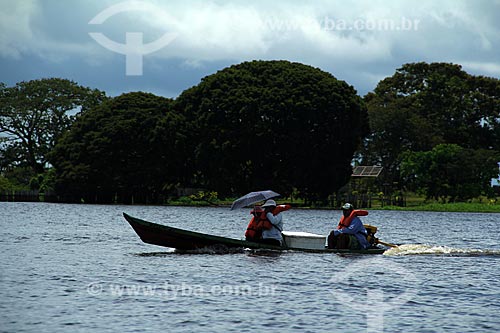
x=81, y=268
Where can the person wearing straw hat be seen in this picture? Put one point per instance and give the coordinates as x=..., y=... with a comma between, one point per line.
x=273, y=235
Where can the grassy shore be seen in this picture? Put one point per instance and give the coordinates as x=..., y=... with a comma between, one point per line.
x=414, y=203
x=472, y=207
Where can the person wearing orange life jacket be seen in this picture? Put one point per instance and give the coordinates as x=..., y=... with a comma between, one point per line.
x=350, y=233
x=257, y=224
x=273, y=235
x=345, y=221
x=260, y=222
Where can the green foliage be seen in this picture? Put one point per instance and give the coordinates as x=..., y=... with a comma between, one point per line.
x=126, y=147
x=34, y=115
x=43, y=182
x=450, y=171
x=23, y=179
x=209, y=196
x=273, y=124
x=9, y=185
x=423, y=105
x=257, y=125
x=18, y=178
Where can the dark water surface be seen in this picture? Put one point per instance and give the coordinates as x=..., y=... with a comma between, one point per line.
x=81, y=268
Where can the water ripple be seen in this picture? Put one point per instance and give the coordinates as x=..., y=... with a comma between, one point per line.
x=82, y=268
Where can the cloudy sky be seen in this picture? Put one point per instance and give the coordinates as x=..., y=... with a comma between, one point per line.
x=167, y=46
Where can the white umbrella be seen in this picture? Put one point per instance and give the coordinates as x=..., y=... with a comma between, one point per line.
x=253, y=197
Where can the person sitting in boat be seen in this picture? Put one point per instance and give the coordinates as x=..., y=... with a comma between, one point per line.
x=273, y=235
x=257, y=224
x=260, y=222
x=350, y=233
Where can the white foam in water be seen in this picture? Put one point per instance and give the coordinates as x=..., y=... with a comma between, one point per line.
x=417, y=249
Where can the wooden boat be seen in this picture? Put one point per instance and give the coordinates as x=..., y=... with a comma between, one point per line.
x=185, y=240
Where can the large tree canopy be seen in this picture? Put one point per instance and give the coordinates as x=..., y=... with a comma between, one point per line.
x=127, y=146
x=423, y=105
x=274, y=124
x=34, y=115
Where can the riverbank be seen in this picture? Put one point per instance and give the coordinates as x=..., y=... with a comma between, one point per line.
x=465, y=207
x=413, y=204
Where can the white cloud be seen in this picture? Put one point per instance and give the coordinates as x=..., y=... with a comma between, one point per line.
x=337, y=36
x=485, y=68
x=211, y=30
x=228, y=31
x=325, y=30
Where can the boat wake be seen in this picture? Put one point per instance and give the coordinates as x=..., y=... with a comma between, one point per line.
x=425, y=249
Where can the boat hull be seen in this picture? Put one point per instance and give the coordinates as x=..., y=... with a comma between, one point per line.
x=161, y=235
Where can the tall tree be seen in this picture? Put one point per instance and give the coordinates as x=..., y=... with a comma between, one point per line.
x=423, y=105
x=35, y=114
x=126, y=148
x=274, y=124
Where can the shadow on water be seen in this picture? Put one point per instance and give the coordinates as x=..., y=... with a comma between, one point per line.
x=213, y=251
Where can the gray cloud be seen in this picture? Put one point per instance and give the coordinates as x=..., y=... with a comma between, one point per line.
x=360, y=41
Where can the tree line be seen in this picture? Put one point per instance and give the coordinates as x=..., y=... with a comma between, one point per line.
x=261, y=124
x=436, y=130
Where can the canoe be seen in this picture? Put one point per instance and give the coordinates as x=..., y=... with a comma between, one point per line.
x=185, y=240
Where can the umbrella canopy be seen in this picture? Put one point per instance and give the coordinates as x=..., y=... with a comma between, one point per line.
x=252, y=198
